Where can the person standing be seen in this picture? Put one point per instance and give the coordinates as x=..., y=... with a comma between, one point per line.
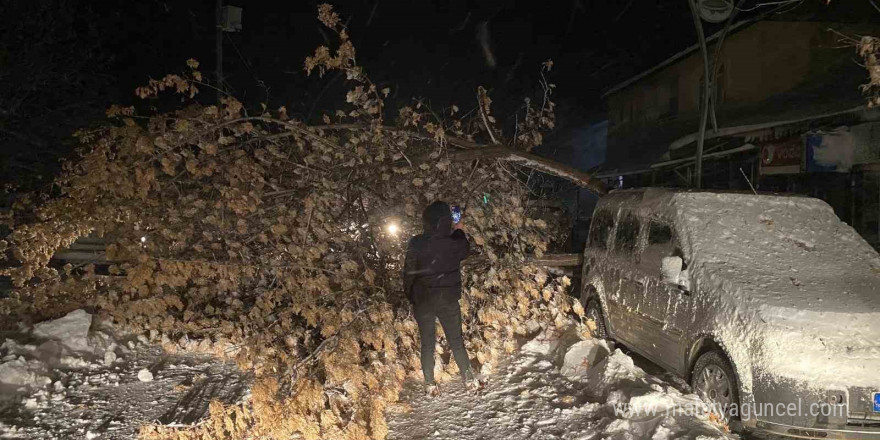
x=432, y=283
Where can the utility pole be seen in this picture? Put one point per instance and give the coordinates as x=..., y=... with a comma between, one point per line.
x=704, y=103
x=219, y=50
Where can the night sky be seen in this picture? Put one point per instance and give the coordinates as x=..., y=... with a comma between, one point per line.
x=424, y=49
x=62, y=62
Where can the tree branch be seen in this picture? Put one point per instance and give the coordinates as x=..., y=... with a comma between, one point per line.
x=548, y=166
x=474, y=151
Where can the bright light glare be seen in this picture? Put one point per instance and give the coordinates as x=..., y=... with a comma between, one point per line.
x=392, y=228
x=143, y=239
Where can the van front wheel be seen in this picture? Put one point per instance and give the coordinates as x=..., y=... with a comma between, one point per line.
x=714, y=381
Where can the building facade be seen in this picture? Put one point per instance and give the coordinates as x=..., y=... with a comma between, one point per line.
x=788, y=115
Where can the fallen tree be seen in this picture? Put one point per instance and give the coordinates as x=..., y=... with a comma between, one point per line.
x=869, y=50
x=532, y=161
x=264, y=240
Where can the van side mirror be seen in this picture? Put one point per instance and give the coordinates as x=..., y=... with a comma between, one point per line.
x=670, y=269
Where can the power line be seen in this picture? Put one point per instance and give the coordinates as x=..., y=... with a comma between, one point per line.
x=249, y=68
x=760, y=5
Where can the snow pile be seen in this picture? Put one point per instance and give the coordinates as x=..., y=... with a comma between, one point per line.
x=75, y=377
x=34, y=361
x=19, y=372
x=546, y=343
x=144, y=375
x=552, y=343
x=592, y=392
x=42, y=368
x=72, y=330
x=582, y=356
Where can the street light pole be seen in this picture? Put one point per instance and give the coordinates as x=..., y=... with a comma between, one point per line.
x=704, y=104
x=219, y=50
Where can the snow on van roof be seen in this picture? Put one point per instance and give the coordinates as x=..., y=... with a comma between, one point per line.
x=781, y=250
x=786, y=251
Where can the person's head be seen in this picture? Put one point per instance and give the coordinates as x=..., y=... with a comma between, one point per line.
x=437, y=219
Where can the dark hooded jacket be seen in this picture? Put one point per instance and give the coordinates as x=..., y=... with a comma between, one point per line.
x=433, y=258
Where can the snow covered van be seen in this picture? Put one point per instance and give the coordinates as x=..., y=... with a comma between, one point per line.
x=768, y=305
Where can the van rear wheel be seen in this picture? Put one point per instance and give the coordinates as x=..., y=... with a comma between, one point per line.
x=714, y=380
x=593, y=312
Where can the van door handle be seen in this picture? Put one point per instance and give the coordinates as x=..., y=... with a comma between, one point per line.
x=633, y=279
x=680, y=288
x=655, y=320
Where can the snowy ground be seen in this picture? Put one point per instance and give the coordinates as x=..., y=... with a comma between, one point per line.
x=73, y=378
x=554, y=390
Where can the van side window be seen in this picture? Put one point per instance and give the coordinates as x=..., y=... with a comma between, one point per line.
x=627, y=233
x=659, y=234
x=659, y=245
x=601, y=229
